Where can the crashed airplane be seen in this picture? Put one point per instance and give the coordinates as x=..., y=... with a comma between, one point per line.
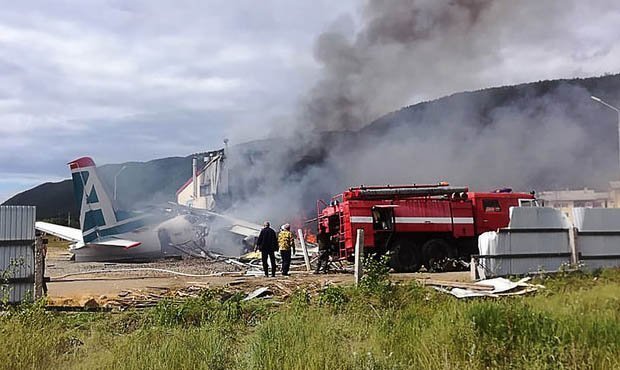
x=111, y=234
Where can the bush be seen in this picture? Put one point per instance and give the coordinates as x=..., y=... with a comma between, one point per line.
x=376, y=275
x=333, y=296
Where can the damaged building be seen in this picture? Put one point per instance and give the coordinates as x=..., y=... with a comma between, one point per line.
x=208, y=188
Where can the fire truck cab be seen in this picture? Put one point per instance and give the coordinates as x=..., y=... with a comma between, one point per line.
x=417, y=225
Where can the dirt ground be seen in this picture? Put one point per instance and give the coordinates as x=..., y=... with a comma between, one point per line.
x=66, y=289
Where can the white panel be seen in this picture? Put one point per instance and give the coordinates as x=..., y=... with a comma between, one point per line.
x=520, y=243
x=537, y=218
x=597, y=219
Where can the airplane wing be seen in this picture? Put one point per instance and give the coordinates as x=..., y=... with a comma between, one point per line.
x=68, y=233
x=75, y=235
x=116, y=242
x=244, y=231
x=238, y=226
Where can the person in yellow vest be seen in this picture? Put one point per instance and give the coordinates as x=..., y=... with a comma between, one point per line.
x=286, y=243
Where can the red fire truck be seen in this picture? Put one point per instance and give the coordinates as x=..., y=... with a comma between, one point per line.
x=430, y=225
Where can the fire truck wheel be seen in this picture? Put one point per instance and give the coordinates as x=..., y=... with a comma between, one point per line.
x=405, y=257
x=437, y=255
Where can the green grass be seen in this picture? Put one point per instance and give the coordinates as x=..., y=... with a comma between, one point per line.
x=573, y=324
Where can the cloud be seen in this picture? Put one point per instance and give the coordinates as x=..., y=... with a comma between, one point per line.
x=140, y=80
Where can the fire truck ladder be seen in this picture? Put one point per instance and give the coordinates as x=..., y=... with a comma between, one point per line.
x=342, y=254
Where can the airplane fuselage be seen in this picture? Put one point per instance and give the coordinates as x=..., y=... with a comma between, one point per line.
x=157, y=240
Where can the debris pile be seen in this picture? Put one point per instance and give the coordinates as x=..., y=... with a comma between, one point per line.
x=252, y=289
x=494, y=288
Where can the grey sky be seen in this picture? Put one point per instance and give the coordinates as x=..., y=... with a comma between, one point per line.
x=137, y=80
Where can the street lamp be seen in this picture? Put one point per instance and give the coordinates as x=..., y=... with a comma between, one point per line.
x=115, y=176
x=599, y=100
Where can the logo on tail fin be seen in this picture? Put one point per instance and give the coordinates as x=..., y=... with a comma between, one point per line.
x=96, y=210
x=98, y=217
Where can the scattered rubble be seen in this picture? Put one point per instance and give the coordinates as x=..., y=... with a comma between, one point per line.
x=495, y=288
x=150, y=296
x=260, y=292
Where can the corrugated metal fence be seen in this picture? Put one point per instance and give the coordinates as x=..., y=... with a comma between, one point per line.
x=598, y=236
x=17, y=239
x=543, y=239
x=536, y=239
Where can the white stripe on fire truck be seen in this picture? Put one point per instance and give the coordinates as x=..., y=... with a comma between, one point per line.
x=463, y=220
x=418, y=220
x=361, y=220
x=423, y=220
x=434, y=220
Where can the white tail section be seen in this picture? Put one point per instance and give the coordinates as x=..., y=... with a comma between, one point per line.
x=97, y=213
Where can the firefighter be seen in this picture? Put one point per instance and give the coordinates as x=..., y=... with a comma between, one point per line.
x=324, y=248
x=286, y=242
x=267, y=243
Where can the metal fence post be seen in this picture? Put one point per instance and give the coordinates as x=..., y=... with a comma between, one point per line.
x=572, y=241
x=304, y=249
x=473, y=268
x=359, y=254
x=39, y=266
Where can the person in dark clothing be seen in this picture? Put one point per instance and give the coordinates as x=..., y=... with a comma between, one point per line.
x=324, y=249
x=267, y=243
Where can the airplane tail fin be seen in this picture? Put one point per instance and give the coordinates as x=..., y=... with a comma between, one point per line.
x=97, y=212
